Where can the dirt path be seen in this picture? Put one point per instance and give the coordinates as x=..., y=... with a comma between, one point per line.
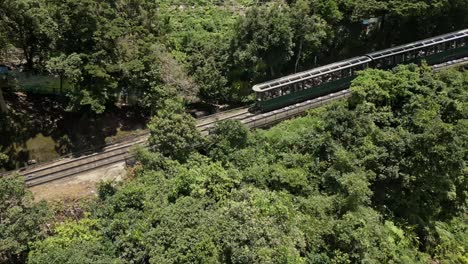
x=80, y=185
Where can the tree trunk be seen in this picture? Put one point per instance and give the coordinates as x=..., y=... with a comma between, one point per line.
x=3, y=107
x=61, y=84
x=29, y=56
x=299, y=53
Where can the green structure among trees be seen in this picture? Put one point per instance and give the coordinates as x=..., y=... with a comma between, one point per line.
x=378, y=178
x=109, y=51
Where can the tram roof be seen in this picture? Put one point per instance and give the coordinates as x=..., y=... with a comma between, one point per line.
x=293, y=78
x=418, y=44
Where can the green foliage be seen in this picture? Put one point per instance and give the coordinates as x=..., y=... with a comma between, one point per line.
x=29, y=26
x=379, y=178
x=3, y=158
x=21, y=221
x=106, y=189
x=310, y=30
x=211, y=50
x=66, y=67
x=408, y=105
x=372, y=179
x=263, y=42
x=74, y=242
x=452, y=240
x=173, y=132
x=226, y=137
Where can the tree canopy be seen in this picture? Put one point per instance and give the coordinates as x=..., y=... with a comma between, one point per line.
x=111, y=51
x=377, y=178
x=21, y=220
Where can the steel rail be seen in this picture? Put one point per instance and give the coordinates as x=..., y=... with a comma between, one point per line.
x=115, y=154
x=122, y=154
x=116, y=145
x=31, y=177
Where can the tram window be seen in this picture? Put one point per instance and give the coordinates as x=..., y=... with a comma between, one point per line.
x=275, y=93
x=378, y=63
x=317, y=80
x=346, y=72
x=399, y=58
x=327, y=78
x=421, y=53
x=304, y=85
x=356, y=68
x=336, y=75
x=312, y=82
x=430, y=50
x=270, y=95
x=446, y=46
x=462, y=42
x=309, y=83
x=298, y=86
x=452, y=44
x=389, y=61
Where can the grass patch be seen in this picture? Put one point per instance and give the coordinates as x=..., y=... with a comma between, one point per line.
x=123, y=134
x=41, y=148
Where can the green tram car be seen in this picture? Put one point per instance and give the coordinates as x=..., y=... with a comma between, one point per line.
x=337, y=76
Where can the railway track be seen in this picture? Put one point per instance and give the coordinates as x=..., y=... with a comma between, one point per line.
x=121, y=152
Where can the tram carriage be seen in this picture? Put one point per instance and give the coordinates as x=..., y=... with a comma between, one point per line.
x=308, y=84
x=433, y=50
x=337, y=76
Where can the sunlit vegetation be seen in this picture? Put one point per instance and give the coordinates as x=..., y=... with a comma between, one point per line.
x=378, y=178
x=95, y=54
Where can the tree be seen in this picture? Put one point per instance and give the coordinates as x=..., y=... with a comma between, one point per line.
x=21, y=219
x=226, y=137
x=3, y=159
x=263, y=41
x=309, y=32
x=30, y=27
x=66, y=67
x=173, y=132
x=415, y=150
x=74, y=243
x=3, y=106
x=451, y=240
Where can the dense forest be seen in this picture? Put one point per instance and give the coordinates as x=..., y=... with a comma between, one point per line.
x=206, y=50
x=376, y=178
x=380, y=177
x=138, y=52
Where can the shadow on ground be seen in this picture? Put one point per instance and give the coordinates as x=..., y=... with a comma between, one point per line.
x=39, y=128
